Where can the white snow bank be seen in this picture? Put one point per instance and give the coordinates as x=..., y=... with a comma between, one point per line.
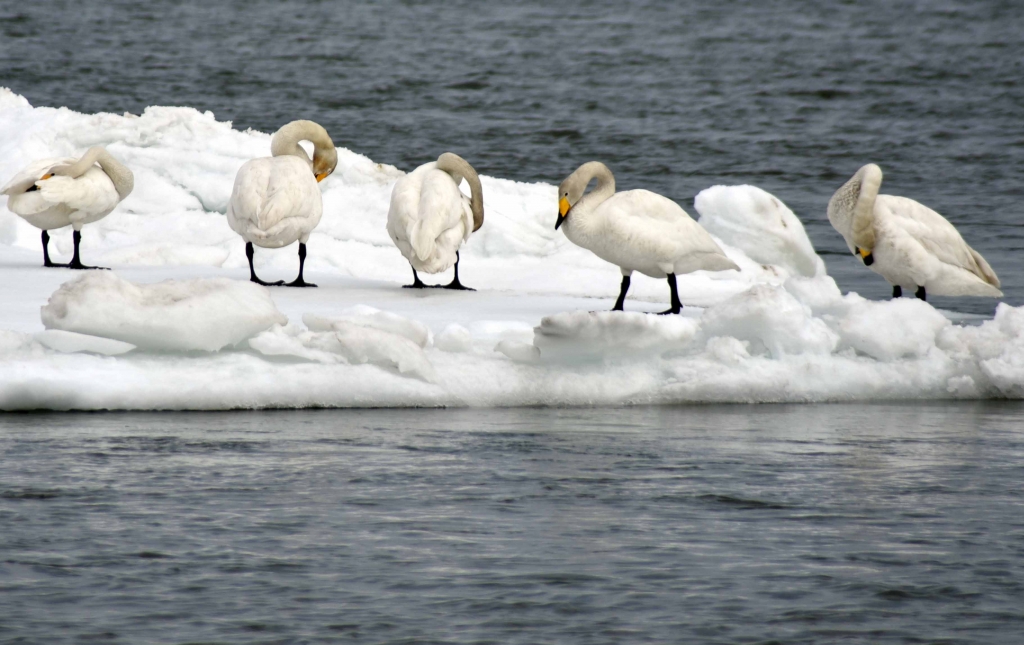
x=760, y=225
x=779, y=330
x=185, y=315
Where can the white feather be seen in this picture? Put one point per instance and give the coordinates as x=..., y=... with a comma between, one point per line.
x=60, y=201
x=638, y=230
x=275, y=201
x=913, y=245
x=429, y=218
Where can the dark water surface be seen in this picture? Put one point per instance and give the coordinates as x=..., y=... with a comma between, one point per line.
x=674, y=96
x=716, y=524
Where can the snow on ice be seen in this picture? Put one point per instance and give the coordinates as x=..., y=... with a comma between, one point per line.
x=176, y=325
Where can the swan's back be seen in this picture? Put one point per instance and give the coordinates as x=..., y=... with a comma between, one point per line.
x=903, y=216
x=60, y=200
x=270, y=191
x=429, y=218
x=644, y=231
x=643, y=216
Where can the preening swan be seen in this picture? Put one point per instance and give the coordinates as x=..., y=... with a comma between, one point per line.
x=430, y=217
x=636, y=229
x=907, y=243
x=276, y=200
x=53, y=193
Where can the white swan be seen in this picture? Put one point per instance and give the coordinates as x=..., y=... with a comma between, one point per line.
x=53, y=193
x=907, y=243
x=430, y=217
x=636, y=229
x=276, y=200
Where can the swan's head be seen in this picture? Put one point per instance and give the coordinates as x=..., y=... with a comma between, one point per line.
x=570, y=191
x=325, y=160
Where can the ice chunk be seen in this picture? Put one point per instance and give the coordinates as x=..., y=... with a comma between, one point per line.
x=760, y=225
x=772, y=320
x=69, y=342
x=175, y=315
x=603, y=334
x=904, y=327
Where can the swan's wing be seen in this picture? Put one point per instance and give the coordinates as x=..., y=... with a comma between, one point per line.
x=404, y=207
x=291, y=192
x=661, y=232
x=270, y=190
x=440, y=210
x=933, y=232
x=31, y=173
x=663, y=224
x=91, y=193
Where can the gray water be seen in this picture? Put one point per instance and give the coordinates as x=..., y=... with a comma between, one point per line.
x=675, y=97
x=894, y=523
x=713, y=524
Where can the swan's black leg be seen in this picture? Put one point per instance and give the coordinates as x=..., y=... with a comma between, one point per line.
x=416, y=282
x=46, y=252
x=76, y=263
x=249, y=253
x=920, y=293
x=676, y=305
x=455, y=284
x=623, y=288
x=897, y=292
x=299, y=282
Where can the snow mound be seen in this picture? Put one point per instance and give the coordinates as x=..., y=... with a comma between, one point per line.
x=887, y=331
x=760, y=225
x=772, y=321
x=186, y=315
x=611, y=334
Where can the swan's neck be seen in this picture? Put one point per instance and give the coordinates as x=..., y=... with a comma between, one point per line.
x=852, y=207
x=460, y=169
x=119, y=174
x=579, y=217
x=286, y=141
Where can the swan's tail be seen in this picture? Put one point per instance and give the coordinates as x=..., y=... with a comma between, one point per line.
x=984, y=271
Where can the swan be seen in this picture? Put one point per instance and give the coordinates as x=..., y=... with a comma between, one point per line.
x=907, y=243
x=430, y=218
x=636, y=229
x=276, y=200
x=53, y=193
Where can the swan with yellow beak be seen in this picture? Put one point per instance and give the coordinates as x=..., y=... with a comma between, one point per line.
x=276, y=200
x=635, y=229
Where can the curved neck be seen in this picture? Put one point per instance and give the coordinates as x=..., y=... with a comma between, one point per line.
x=286, y=141
x=119, y=174
x=853, y=206
x=605, y=183
x=460, y=169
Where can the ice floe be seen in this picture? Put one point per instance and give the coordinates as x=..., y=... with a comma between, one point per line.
x=176, y=325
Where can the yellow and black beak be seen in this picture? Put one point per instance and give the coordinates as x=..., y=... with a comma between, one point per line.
x=46, y=176
x=865, y=255
x=322, y=176
x=563, y=210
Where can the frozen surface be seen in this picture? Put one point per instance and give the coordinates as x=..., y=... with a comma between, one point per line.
x=176, y=325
